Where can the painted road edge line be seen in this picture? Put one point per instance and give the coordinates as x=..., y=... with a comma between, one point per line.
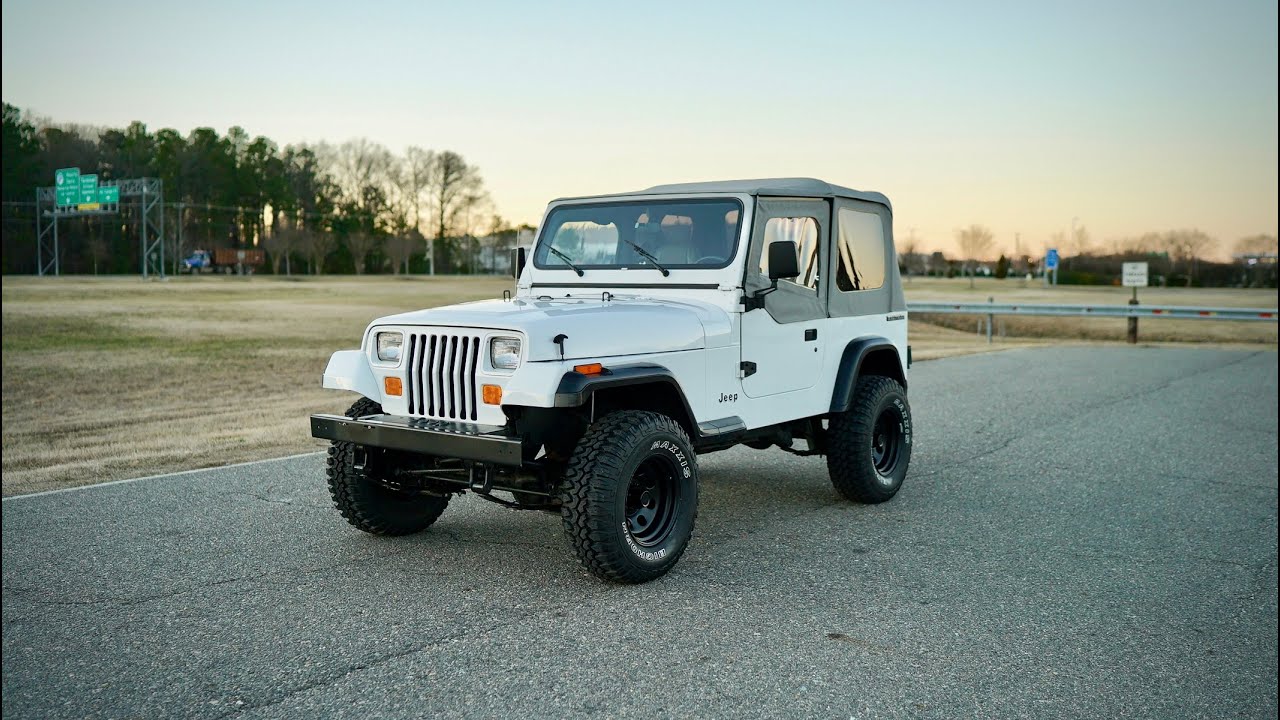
x=164, y=475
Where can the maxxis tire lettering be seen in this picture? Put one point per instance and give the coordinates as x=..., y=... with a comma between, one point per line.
x=675, y=451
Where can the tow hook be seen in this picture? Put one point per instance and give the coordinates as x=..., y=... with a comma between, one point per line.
x=482, y=484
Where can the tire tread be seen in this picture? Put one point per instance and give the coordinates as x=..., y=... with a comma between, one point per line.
x=358, y=505
x=590, y=486
x=849, y=461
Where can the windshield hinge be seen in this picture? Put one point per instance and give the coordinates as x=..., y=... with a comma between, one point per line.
x=755, y=300
x=747, y=368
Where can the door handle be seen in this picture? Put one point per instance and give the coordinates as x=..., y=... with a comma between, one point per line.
x=810, y=334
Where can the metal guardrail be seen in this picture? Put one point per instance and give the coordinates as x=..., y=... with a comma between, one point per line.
x=1133, y=311
x=1113, y=311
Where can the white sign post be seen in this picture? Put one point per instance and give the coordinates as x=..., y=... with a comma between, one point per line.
x=1134, y=275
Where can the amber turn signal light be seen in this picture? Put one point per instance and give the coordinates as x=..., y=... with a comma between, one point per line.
x=590, y=369
x=393, y=386
x=491, y=394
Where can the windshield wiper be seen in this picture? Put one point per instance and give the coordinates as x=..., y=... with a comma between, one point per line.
x=648, y=256
x=566, y=260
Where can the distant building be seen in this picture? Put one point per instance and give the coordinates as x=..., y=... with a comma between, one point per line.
x=1256, y=258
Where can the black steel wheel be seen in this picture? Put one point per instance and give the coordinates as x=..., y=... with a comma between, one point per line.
x=869, y=445
x=886, y=442
x=630, y=496
x=653, y=495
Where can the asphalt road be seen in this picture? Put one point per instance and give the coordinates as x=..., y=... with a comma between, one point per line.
x=1083, y=533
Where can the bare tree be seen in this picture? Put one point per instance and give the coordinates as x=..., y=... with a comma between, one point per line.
x=174, y=243
x=452, y=183
x=356, y=165
x=401, y=248
x=413, y=178
x=975, y=243
x=1188, y=246
x=361, y=244
x=936, y=263
x=1256, y=245
x=280, y=244
x=99, y=252
x=910, y=248
x=474, y=210
x=1140, y=245
x=1080, y=243
x=316, y=245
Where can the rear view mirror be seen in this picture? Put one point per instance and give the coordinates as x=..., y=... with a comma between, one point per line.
x=517, y=261
x=784, y=263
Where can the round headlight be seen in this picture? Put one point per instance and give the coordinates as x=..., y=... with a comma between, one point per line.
x=504, y=353
x=389, y=344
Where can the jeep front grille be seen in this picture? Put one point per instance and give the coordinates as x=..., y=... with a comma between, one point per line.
x=442, y=375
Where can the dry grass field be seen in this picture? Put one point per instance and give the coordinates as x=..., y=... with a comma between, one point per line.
x=112, y=378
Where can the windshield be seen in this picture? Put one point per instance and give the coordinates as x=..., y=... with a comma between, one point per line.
x=657, y=234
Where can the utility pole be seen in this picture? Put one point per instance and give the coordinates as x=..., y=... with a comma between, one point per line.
x=182, y=222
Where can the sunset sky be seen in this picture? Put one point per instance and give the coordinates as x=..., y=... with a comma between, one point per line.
x=1130, y=116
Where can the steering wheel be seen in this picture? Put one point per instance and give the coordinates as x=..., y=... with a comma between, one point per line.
x=710, y=259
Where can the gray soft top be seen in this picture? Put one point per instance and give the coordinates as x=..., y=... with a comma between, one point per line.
x=770, y=187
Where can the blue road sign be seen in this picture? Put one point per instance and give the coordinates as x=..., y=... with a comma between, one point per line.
x=1051, y=259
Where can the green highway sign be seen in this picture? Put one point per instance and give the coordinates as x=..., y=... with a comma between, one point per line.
x=88, y=191
x=83, y=191
x=66, y=183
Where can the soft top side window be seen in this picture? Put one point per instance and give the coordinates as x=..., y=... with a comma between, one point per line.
x=860, y=246
x=803, y=231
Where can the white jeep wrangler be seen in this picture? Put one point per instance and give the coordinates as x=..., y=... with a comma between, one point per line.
x=649, y=327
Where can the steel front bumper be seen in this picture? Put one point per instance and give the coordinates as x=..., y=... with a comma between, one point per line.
x=441, y=438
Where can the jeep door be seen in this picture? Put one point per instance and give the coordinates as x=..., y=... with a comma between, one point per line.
x=781, y=343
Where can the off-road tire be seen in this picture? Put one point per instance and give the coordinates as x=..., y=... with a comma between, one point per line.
x=604, y=491
x=859, y=470
x=368, y=504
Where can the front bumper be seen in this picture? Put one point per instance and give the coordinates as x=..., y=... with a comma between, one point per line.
x=441, y=438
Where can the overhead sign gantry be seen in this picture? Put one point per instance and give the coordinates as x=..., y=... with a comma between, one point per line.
x=77, y=195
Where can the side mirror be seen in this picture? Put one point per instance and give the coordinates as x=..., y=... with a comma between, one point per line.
x=783, y=265
x=517, y=261
x=784, y=262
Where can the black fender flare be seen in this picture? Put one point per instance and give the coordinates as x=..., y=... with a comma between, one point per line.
x=576, y=389
x=851, y=362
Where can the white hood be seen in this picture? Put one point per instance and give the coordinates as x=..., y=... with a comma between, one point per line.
x=594, y=328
